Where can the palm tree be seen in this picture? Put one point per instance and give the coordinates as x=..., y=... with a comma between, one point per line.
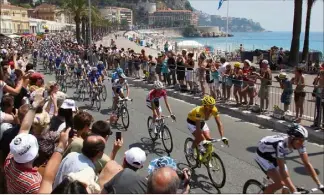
x=294, y=48
x=79, y=8
x=310, y=4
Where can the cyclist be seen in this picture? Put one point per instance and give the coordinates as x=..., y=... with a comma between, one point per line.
x=94, y=77
x=101, y=69
x=116, y=74
x=117, y=88
x=271, y=153
x=79, y=70
x=152, y=101
x=196, y=122
x=63, y=68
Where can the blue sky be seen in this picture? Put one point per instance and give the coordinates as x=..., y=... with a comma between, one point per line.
x=274, y=15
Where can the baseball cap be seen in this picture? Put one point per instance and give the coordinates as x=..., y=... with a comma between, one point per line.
x=135, y=157
x=69, y=104
x=37, y=75
x=24, y=148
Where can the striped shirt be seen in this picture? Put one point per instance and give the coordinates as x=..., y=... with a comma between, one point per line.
x=21, y=180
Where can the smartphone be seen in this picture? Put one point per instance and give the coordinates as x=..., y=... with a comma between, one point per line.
x=118, y=136
x=69, y=121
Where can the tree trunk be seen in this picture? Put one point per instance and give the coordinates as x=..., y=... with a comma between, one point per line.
x=307, y=27
x=77, y=27
x=294, y=48
x=83, y=29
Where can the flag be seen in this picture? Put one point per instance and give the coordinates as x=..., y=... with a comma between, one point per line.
x=220, y=4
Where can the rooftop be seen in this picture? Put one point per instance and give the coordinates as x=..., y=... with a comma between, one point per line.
x=12, y=7
x=120, y=8
x=169, y=10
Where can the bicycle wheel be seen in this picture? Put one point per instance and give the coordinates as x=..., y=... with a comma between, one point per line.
x=93, y=95
x=104, y=93
x=98, y=102
x=151, y=133
x=167, y=139
x=215, y=166
x=252, y=183
x=125, y=117
x=192, y=159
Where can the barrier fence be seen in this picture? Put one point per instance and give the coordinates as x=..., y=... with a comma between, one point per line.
x=309, y=105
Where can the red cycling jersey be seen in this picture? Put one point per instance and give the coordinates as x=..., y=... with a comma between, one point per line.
x=156, y=94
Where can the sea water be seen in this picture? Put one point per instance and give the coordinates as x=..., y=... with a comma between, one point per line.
x=261, y=40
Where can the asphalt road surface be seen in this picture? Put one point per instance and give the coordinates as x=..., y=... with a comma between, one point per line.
x=238, y=158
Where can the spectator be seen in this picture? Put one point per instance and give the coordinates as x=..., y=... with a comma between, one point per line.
x=209, y=78
x=250, y=88
x=92, y=150
x=287, y=92
x=4, y=75
x=36, y=81
x=163, y=181
x=165, y=69
x=222, y=69
x=7, y=106
x=181, y=70
x=201, y=72
x=190, y=64
x=21, y=177
x=319, y=94
x=65, y=111
x=246, y=71
x=299, y=93
x=237, y=82
x=127, y=181
x=266, y=81
x=51, y=91
x=227, y=79
x=82, y=123
x=172, y=67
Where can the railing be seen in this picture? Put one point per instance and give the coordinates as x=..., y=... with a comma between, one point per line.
x=309, y=104
x=6, y=30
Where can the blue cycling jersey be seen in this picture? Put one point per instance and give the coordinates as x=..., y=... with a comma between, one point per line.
x=58, y=61
x=114, y=76
x=93, y=77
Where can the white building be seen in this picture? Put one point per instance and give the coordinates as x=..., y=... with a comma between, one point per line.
x=37, y=26
x=6, y=25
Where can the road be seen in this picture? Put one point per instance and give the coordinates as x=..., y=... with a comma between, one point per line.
x=238, y=158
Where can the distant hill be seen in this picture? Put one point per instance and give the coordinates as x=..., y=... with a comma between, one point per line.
x=234, y=24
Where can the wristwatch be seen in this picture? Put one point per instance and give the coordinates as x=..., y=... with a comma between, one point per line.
x=59, y=150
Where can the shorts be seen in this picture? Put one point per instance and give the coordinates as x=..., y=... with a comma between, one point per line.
x=156, y=103
x=192, y=128
x=266, y=165
x=118, y=90
x=62, y=72
x=299, y=95
x=189, y=75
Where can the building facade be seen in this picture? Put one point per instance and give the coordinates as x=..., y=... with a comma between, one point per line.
x=14, y=19
x=51, y=13
x=173, y=18
x=117, y=14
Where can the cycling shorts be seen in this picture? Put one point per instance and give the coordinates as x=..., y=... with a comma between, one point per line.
x=118, y=90
x=156, y=103
x=265, y=164
x=192, y=126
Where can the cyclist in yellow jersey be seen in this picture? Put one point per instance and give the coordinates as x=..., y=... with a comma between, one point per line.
x=197, y=126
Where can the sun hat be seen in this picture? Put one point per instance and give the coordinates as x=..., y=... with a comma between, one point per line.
x=87, y=177
x=136, y=157
x=37, y=75
x=41, y=121
x=265, y=62
x=248, y=62
x=24, y=148
x=164, y=161
x=69, y=104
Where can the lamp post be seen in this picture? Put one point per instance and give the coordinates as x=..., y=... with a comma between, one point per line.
x=90, y=33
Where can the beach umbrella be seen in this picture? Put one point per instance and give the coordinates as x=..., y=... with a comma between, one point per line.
x=189, y=45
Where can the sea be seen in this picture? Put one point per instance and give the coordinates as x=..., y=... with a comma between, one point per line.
x=260, y=40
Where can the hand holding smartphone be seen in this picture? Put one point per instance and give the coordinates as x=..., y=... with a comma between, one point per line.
x=118, y=136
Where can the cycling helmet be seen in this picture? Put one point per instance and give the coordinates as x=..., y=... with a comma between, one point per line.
x=100, y=62
x=86, y=62
x=237, y=65
x=94, y=69
x=163, y=161
x=298, y=131
x=158, y=85
x=208, y=101
x=282, y=75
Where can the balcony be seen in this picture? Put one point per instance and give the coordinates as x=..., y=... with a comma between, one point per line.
x=6, y=31
x=23, y=31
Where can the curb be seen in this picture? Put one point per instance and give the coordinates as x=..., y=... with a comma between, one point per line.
x=263, y=120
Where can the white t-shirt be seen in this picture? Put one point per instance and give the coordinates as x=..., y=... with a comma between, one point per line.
x=222, y=69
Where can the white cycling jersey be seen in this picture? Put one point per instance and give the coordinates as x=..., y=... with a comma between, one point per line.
x=275, y=146
x=117, y=84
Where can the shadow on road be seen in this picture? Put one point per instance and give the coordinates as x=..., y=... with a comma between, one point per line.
x=199, y=181
x=149, y=146
x=251, y=149
x=303, y=171
x=106, y=111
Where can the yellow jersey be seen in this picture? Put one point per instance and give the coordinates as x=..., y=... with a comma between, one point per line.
x=198, y=114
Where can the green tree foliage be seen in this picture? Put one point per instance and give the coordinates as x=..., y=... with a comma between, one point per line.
x=190, y=31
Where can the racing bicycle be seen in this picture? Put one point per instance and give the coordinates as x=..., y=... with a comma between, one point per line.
x=210, y=159
x=122, y=111
x=163, y=132
x=258, y=187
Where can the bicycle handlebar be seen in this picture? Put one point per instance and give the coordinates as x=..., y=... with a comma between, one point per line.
x=125, y=100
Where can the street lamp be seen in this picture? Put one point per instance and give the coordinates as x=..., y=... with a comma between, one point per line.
x=90, y=33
